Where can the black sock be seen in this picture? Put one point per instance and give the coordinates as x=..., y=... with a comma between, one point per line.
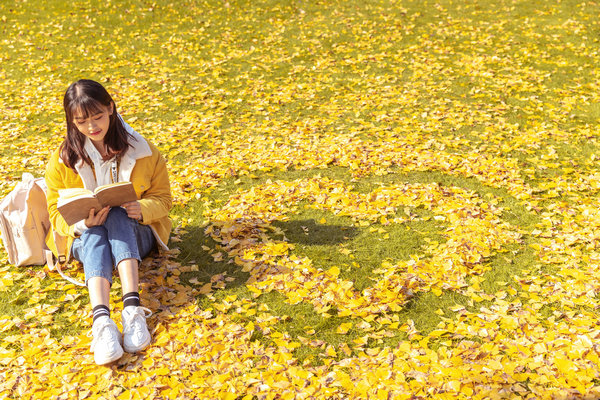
x=100, y=311
x=131, y=299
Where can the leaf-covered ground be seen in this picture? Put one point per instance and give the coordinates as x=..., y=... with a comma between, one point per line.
x=374, y=199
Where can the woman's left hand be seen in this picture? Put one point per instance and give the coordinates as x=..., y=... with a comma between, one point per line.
x=134, y=210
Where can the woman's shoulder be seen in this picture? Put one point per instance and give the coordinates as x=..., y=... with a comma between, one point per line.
x=155, y=155
x=155, y=151
x=141, y=146
x=55, y=158
x=56, y=167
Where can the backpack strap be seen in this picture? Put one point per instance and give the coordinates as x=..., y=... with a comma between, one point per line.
x=54, y=263
x=57, y=263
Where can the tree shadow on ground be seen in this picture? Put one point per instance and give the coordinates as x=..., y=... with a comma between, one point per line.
x=196, y=248
x=310, y=233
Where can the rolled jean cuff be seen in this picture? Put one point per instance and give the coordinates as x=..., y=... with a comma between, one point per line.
x=98, y=273
x=125, y=256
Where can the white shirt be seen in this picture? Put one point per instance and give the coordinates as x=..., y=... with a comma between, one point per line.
x=103, y=175
x=102, y=168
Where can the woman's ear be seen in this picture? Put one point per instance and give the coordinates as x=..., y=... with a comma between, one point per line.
x=112, y=108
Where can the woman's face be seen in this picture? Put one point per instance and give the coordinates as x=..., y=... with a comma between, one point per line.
x=95, y=126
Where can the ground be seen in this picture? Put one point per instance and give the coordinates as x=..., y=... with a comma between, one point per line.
x=372, y=199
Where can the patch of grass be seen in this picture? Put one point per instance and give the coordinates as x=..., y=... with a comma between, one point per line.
x=193, y=247
x=356, y=250
x=330, y=240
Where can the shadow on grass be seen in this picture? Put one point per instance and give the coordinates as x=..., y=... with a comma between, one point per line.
x=310, y=233
x=199, y=249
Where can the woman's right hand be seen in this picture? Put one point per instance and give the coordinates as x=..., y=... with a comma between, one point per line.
x=95, y=219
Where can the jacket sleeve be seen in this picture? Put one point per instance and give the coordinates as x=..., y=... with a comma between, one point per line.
x=156, y=201
x=55, y=180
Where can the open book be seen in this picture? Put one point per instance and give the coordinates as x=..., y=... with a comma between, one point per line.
x=75, y=204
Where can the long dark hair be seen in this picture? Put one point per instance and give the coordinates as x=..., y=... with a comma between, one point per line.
x=86, y=97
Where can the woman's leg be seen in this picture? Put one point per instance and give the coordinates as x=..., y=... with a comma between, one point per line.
x=93, y=250
x=128, y=272
x=128, y=239
x=99, y=290
x=129, y=242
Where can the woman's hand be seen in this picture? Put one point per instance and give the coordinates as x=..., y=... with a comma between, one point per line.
x=134, y=210
x=95, y=219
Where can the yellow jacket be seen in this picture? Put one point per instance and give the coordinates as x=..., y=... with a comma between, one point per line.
x=142, y=164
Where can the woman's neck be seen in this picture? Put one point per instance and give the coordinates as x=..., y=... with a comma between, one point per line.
x=101, y=147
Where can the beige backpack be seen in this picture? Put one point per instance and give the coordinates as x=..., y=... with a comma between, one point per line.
x=25, y=223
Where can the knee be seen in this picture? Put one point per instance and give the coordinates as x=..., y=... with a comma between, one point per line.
x=94, y=233
x=91, y=241
x=116, y=214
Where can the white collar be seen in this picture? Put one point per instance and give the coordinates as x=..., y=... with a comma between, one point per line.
x=139, y=147
x=92, y=151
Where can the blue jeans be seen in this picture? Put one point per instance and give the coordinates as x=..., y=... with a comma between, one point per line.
x=101, y=247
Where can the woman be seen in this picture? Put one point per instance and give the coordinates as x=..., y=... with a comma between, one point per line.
x=100, y=148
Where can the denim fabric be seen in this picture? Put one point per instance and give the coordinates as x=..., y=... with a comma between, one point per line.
x=100, y=248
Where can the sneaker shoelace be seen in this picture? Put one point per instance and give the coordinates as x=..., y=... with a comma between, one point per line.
x=102, y=332
x=132, y=320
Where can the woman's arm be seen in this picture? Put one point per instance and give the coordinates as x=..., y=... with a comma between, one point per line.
x=156, y=200
x=56, y=179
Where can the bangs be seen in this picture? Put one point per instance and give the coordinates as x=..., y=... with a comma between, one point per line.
x=85, y=107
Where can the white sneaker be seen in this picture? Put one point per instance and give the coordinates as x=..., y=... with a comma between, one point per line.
x=135, y=332
x=106, y=343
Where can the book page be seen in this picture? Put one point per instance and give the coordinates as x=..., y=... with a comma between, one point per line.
x=65, y=194
x=115, y=194
x=74, y=209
